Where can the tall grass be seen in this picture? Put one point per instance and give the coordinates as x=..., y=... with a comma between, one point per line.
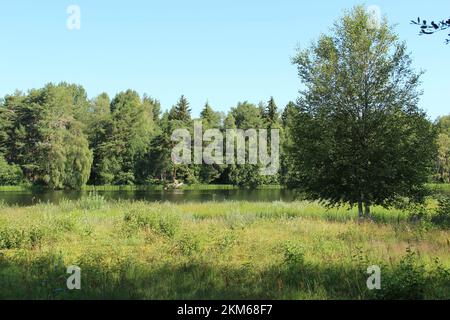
x=439, y=187
x=231, y=250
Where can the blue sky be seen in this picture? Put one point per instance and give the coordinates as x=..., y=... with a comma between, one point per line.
x=220, y=51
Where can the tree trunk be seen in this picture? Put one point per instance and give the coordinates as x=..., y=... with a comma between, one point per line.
x=360, y=209
x=367, y=210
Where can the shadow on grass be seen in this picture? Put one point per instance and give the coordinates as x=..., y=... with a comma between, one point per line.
x=45, y=278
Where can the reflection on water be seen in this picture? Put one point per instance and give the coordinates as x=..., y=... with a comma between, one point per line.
x=27, y=198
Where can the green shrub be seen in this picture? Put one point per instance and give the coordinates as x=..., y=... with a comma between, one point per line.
x=14, y=238
x=293, y=253
x=442, y=216
x=63, y=224
x=35, y=236
x=10, y=174
x=166, y=224
x=228, y=240
x=417, y=212
x=407, y=281
x=11, y=238
x=188, y=244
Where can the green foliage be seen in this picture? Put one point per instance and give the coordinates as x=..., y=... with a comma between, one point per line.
x=293, y=254
x=45, y=135
x=443, y=124
x=181, y=111
x=164, y=224
x=358, y=136
x=407, y=281
x=442, y=216
x=188, y=244
x=442, y=174
x=10, y=174
x=126, y=141
x=245, y=116
x=15, y=238
x=61, y=140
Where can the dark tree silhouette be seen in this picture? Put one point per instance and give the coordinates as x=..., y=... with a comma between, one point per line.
x=433, y=27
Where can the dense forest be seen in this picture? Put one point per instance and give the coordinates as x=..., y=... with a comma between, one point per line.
x=57, y=137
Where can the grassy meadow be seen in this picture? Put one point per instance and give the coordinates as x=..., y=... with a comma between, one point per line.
x=234, y=250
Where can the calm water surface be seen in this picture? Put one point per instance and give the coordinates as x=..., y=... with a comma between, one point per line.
x=26, y=198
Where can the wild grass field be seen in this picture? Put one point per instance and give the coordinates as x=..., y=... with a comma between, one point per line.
x=232, y=250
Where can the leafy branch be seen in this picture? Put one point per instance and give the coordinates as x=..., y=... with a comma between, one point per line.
x=433, y=27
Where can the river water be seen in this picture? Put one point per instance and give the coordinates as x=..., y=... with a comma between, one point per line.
x=26, y=198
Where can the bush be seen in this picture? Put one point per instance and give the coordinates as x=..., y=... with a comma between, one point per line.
x=407, y=281
x=293, y=253
x=188, y=244
x=162, y=223
x=417, y=212
x=442, y=216
x=13, y=238
x=10, y=174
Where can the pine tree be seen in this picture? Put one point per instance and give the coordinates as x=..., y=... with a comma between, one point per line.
x=127, y=137
x=209, y=117
x=181, y=111
x=271, y=115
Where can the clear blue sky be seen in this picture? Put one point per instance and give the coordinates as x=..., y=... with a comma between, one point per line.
x=221, y=51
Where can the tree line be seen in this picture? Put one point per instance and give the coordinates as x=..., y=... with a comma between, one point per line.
x=57, y=137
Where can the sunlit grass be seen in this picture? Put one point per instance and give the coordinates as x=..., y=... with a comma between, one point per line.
x=230, y=250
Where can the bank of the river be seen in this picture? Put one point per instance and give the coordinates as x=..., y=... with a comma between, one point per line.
x=141, y=187
x=432, y=186
x=229, y=250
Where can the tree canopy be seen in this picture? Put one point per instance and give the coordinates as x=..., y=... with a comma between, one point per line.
x=358, y=136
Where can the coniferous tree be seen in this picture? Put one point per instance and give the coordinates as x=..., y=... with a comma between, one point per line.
x=181, y=112
x=271, y=115
x=127, y=139
x=210, y=120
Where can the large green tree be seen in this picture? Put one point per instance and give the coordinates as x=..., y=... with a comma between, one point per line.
x=210, y=120
x=99, y=121
x=359, y=136
x=127, y=136
x=246, y=116
x=45, y=135
x=443, y=159
x=287, y=132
